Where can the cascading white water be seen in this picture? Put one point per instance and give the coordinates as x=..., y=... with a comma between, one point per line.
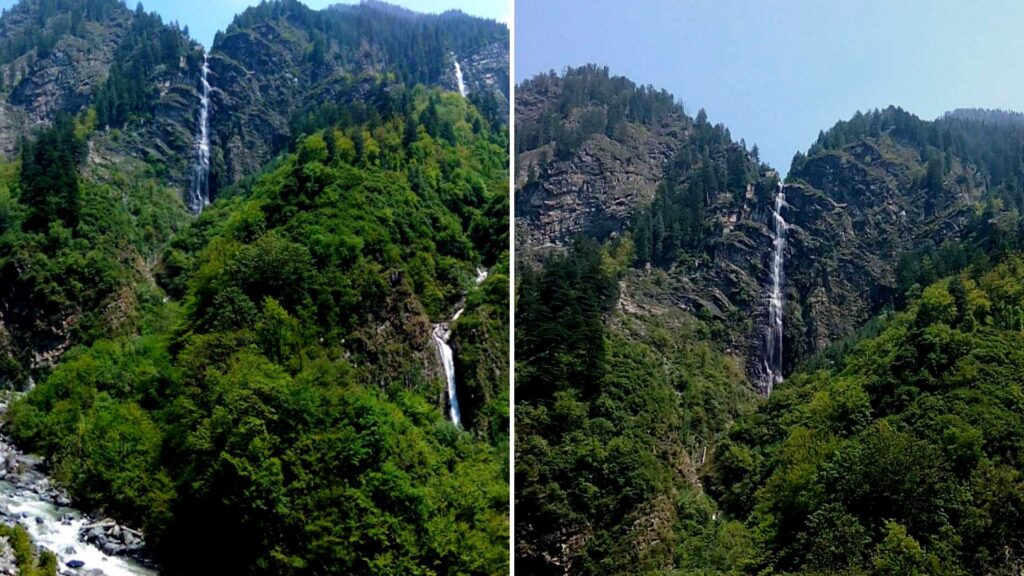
x=28, y=497
x=441, y=334
x=773, y=333
x=459, y=78
x=199, y=191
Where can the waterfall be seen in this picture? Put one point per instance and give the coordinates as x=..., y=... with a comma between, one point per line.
x=776, y=299
x=441, y=334
x=459, y=78
x=199, y=191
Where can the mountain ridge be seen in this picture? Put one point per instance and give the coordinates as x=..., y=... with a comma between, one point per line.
x=881, y=212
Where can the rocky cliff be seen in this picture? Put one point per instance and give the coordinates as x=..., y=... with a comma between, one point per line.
x=57, y=57
x=855, y=211
x=131, y=82
x=592, y=187
x=281, y=63
x=575, y=179
x=877, y=190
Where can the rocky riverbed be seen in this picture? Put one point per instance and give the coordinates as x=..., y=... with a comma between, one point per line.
x=83, y=545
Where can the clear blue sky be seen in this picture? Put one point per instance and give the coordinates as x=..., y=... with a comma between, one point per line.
x=778, y=71
x=205, y=17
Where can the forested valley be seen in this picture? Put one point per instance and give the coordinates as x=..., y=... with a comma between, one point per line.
x=645, y=443
x=256, y=388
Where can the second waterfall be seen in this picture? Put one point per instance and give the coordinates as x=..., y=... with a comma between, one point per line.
x=441, y=334
x=776, y=298
x=199, y=190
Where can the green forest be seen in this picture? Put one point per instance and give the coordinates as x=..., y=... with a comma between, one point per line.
x=900, y=458
x=897, y=453
x=256, y=387
x=608, y=409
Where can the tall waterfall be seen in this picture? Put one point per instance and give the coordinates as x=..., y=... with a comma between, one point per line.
x=199, y=191
x=441, y=334
x=459, y=78
x=776, y=300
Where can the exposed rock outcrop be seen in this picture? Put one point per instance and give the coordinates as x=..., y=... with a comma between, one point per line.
x=45, y=81
x=274, y=64
x=854, y=212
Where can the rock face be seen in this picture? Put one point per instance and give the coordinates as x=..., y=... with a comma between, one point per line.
x=594, y=192
x=276, y=62
x=63, y=72
x=601, y=184
x=39, y=83
x=485, y=70
x=854, y=211
x=65, y=79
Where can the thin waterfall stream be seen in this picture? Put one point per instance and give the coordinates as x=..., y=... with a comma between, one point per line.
x=199, y=190
x=776, y=298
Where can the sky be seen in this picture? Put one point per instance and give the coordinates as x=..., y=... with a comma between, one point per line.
x=205, y=18
x=775, y=72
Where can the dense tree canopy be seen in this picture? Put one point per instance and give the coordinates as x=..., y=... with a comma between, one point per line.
x=611, y=410
x=607, y=103
x=904, y=457
x=282, y=412
x=416, y=46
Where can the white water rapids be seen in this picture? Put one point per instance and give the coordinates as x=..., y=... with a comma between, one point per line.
x=199, y=190
x=28, y=497
x=773, y=332
x=441, y=335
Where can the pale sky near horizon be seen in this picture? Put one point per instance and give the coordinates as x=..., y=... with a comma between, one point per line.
x=776, y=72
x=205, y=18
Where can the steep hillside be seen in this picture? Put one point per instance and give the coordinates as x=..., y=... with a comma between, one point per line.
x=601, y=157
x=283, y=407
x=881, y=198
x=260, y=385
x=900, y=454
x=646, y=241
x=281, y=68
x=136, y=74
x=131, y=83
x=633, y=357
x=584, y=163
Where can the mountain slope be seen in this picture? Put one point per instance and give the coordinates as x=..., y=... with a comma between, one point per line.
x=259, y=385
x=135, y=73
x=604, y=158
x=883, y=195
x=280, y=63
x=284, y=409
x=902, y=456
x=634, y=356
x=640, y=319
